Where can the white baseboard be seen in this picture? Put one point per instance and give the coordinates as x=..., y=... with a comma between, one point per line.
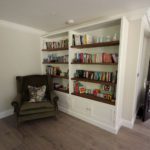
x=89, y=120
x=6, y=113
x=127, y=123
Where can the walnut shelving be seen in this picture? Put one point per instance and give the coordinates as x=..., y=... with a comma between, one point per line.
x=103, y=44
x=93, y=81
x=61, y=77
x=94, y=63
x=55, y=62
x=56, y=49
x=92, y=97
x=62, y=90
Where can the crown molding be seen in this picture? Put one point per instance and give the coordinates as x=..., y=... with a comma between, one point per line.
x=130, y=15
x=21, y=27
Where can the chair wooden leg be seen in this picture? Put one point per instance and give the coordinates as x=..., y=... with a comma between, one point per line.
x=18, y=123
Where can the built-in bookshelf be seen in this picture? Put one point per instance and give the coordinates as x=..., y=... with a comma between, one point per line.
x=99, y=50
x=95, y=56
x=55, y=61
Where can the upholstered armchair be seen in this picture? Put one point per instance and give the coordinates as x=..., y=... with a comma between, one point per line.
x=27, y=110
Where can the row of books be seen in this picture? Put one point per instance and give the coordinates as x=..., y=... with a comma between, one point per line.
x=96, y=58
x=57, y=44
x=88, y=39
x=53, y=71
x=97, y=75
x=105, y=91
x=55, y=58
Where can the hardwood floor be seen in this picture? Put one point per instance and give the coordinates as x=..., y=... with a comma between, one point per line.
x=68, y=133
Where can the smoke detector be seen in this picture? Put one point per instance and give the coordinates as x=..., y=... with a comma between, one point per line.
x=70, y=22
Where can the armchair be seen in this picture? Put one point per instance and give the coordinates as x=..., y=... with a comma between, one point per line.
x=26, y=110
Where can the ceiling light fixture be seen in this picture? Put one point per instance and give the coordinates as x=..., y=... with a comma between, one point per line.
x=70, y=22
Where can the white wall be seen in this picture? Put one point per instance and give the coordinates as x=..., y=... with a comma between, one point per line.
x=19, y=55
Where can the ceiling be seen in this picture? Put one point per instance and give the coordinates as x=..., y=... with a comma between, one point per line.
x=49, y=15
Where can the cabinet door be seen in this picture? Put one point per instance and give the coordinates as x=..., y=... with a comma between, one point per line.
x=103, y=113
x=81, y=106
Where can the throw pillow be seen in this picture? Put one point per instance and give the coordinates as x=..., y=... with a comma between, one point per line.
x=36, y=93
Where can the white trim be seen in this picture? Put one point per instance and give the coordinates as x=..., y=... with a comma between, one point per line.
x=6, y=113
x=89, y=120
x=127, y=123
x=21, y=27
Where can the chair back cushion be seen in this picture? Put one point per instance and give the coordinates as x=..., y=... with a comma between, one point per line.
x=34, y=81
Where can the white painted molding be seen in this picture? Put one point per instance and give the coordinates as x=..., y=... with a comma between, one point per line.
x=21, y=27
x=89, y=120
x=127, y=123
x=6, y=113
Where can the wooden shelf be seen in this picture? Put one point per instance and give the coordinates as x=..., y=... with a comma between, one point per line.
x=55, y=62
x=104, y=44
x=93, y=81
x=56, y=49
x=62, y=90
x=61, y=77
x=92, y=97
x=94, y=63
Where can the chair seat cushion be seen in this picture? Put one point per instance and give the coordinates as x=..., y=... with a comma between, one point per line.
x=37, y=105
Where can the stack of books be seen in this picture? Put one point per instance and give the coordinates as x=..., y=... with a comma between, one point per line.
x=57, y=44
x=95, y=58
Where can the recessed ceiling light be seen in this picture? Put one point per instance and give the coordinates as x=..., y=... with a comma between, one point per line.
x=70, y=22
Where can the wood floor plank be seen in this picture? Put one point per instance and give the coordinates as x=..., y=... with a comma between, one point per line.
x=69, y=133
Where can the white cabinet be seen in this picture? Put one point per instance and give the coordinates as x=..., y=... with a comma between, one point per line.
x=103, y=112
x=81, y=106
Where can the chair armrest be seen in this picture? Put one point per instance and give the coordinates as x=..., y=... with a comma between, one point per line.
x=16, y=103
x=54, y=101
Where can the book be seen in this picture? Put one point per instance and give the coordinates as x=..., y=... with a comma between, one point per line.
x=107, y=58
x=73, y=40
x=77, y=40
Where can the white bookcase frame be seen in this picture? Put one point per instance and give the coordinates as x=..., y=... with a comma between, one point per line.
x=100, y=114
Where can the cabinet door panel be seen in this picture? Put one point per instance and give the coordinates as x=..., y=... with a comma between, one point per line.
x=81, y=105
x=103, y=113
